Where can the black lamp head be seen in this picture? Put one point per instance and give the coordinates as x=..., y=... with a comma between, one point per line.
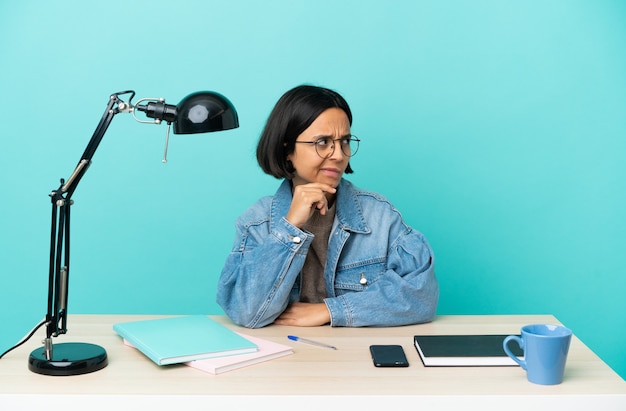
x=203, y=112
x=200, y=112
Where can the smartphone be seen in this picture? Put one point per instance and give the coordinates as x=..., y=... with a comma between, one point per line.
x=388, y=356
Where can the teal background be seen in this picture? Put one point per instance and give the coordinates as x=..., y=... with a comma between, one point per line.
x=497, y=127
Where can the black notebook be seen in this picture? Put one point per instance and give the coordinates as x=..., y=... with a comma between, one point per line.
x=465, y=350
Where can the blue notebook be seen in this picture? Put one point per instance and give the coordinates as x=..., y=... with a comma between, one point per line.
x=175, y=340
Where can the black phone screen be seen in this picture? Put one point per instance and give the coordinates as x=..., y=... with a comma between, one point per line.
x=388, y=356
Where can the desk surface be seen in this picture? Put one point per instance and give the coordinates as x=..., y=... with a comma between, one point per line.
x=347, y=373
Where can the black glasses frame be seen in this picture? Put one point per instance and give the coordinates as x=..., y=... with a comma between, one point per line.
x=324, y=140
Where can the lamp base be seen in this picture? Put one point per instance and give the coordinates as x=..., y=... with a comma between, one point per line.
x=68, y=359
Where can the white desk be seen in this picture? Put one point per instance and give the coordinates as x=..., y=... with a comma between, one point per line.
x=312, y=378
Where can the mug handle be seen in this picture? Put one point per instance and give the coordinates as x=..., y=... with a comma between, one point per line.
x=519, y=341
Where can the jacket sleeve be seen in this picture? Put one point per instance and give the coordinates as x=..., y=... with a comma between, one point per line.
x=258, y=277
x=407, y=292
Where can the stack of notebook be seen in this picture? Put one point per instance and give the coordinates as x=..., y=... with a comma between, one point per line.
x=197, y=341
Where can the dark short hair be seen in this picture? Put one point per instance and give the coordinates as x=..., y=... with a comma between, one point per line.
x=293, y=113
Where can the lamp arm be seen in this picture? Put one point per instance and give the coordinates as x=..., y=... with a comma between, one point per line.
x=59, y=268
x=115, y=106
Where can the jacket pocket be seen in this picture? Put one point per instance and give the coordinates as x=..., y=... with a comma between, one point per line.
x=358, y=276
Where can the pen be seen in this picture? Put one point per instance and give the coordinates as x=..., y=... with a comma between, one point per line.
x=306, y=340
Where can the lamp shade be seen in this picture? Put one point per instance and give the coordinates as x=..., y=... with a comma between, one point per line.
x=203, y=112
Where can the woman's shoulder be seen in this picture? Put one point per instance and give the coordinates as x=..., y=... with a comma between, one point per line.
x=366, y=195
x=376, y=207
x=266, y=206
x=256, y=212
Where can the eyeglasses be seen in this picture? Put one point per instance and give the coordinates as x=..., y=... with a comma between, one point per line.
x=325, y=146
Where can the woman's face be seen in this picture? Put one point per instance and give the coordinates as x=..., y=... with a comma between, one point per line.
x=332, y=124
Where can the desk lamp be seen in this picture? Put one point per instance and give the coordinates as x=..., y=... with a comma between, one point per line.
x=197, y=113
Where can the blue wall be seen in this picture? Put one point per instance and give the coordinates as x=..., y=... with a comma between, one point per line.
x=497, y=127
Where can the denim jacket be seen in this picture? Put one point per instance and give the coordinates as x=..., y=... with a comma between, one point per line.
x=369, y=240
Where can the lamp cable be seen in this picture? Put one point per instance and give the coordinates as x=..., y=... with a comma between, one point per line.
x=26, y=338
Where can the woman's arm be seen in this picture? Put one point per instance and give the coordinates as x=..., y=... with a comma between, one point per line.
x=258, y=278
x=406, y=291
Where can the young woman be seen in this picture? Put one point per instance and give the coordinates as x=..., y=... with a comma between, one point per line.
x=322, y=251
